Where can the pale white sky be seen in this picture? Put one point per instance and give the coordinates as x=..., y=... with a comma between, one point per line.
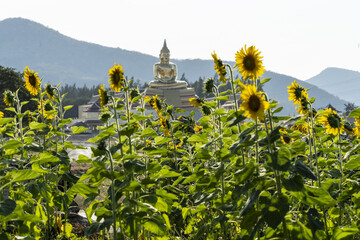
x=299, y=38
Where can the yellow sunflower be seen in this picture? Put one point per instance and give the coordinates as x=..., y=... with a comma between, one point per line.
x=349, y=129
x=285, y=138
x=357, y=126
x=155, y=103
x=253, y=103
x=1, y=114
x=46, y=108
x=332, y=122
x=32, y=81
x=104, y=98
x=249, y=63
x=49, y=91
x=196, y=102
x=165, y=125
x=117, y=78
x=301, y=127
x=303, y=106
x=9, y=98
x=296, y=93
x=219, y=67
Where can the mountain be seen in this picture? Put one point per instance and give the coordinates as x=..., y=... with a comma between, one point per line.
x=58, y=58
x=61, y=59
x=277, y=90
x=340, y=82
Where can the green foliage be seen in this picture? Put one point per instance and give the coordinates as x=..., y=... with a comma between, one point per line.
x=222, y=176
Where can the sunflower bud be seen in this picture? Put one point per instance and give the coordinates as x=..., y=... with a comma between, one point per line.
x=9, y=98
x=209, y=85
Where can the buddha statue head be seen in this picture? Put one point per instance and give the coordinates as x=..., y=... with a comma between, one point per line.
x=165, y=71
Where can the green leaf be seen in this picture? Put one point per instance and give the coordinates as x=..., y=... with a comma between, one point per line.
x=298, y=147
x=203, y=138
x=202, y=153
x=155, y=227
x=293, y=183
x=5, y=120
x=12, y=144
x=7, y=207
x=222, y=98
x=77, y=130
x=148, y=132
x=167, y=221
x=264, y=80
x=83, y=159
x=303, y=170
x=243, y=174
x=161, y=140
x=83, y=189
x=37, y=125
x=219, y=111
x=283, y=159
x=355, y=113
x=344, y=232
x=128, y=131
x=23, y=175
x=139, y=117
x=319, y=196
x=68, y=107
x=165, y=173
x=46, y=157
x=163, y=193
x=353, y=164
x=180, y=110
x=351, y=151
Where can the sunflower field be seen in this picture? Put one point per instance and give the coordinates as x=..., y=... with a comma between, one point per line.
x=240, y=173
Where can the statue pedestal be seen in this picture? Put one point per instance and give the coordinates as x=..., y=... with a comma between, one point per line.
x=176, y=93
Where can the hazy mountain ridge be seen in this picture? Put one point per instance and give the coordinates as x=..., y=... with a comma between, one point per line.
x=339, y=82
x=59, y=58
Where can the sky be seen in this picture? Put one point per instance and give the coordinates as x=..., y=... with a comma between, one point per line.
x=299, y=38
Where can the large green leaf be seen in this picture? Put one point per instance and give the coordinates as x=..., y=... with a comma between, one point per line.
x=148, y=132
x=154, y=226
x=7, y=207
x=36, y=125
x=161, y=140
x=353, y=164
x=78, y=130
x=355, y=113
x=23, y=175
x=244, y=174
x=304, y=170
x=344, y=232
x=12, y=144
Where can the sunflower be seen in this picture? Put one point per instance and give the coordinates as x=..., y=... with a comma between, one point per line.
x=9, y=98
x=196, y=102
x=285, y=138
x=357, y=126
x=32, y=81
x=155, y=103
x=49, y=91
x=205, y=110
x=296, y=93
x=104, y=98
x=332, y=122
x=197, y=128
x=219, y=67
x=349, y=129
x=303, y=106
x=209, y=85
x=1, y=114
x=165, y=125
x=249, y=63
x=46, y=108
x=301, y=127
x=253, y=103
x=117, y=78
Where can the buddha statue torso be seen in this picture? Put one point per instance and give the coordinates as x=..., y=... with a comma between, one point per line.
x=165, y=72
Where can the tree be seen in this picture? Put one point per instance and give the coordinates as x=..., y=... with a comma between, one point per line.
x=12, y=80
x=349, y=107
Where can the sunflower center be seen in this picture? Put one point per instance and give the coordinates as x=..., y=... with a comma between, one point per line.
x=298, y=92
x=249, y=63
x=32, y=80
x=334, y=120
x=254, y=103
